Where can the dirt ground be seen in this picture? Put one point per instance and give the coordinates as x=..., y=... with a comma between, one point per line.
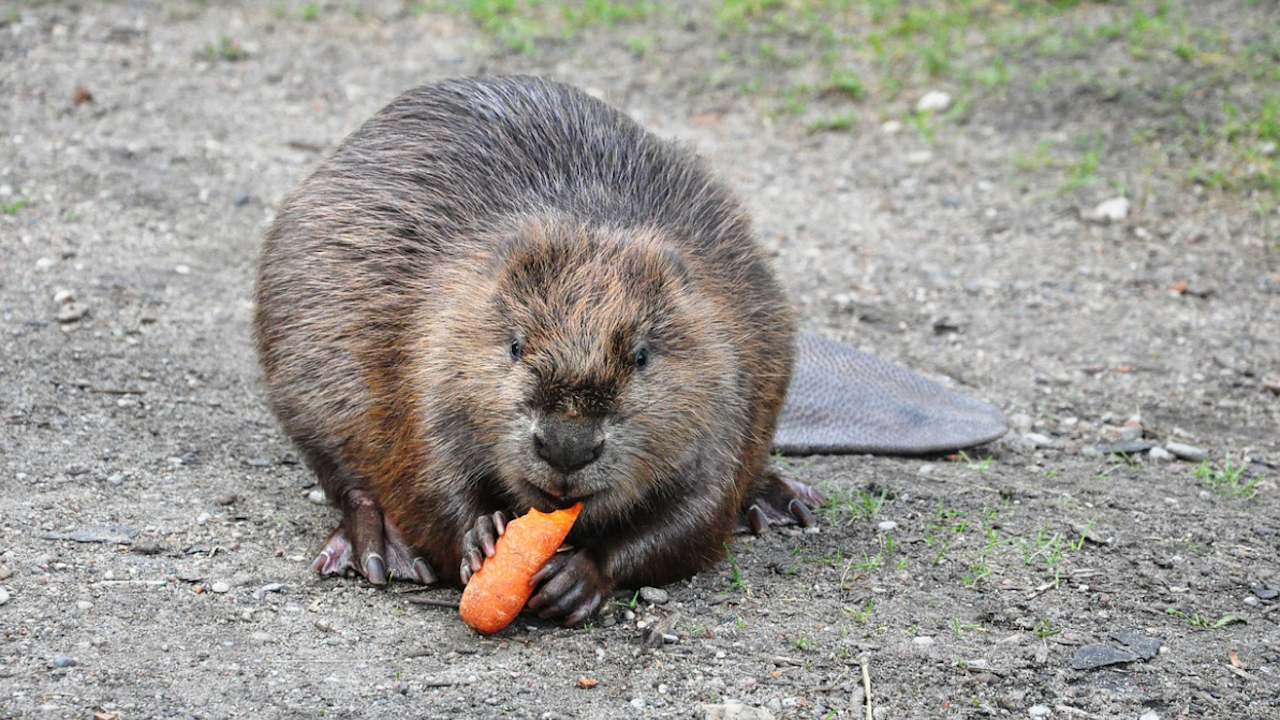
x=156, y=528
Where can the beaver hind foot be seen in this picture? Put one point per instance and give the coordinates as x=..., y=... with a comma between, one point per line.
x=371, y=545
x=780, y=501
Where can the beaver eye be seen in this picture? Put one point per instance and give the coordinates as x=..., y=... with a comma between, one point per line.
x=516, y=349
x=642, y=358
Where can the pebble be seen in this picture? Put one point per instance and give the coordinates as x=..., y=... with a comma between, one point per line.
x=72, y=312
x=1039, y=440
x=1186, y=452
x=1039, y=711
x=887, y=525
x=63, y=661
x=1129, y=433
x=923, y=641
x=1159, y=454
x=1150, y=715
x=84, y=604
x=203, y=518
x=182, y=269
x=1113, y=210
x=933, y=101
x=220, y=587
x=316, y=496
x=1091, y=657
x=63, y=296
x=637, y=703
x=891, y=127
x=653, y=595
x=4, y=596
x=919, y=157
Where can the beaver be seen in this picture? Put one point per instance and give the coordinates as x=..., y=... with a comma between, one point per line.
x=501, y=294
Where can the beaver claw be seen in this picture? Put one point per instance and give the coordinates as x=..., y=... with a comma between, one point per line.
x=780, y=502
x=478, y=543
x=570, y=586
x=366, y=542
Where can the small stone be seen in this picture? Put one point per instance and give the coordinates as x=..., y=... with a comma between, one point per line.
x=182, y=269
x=919, y=157
x=4, y=596
x=62, y=661
x=316, y=496
x=887, y=525
x=1129, y=433
x=72, y=312
x=45, y=263
x=268, y=588
x=63, y=296
x=933, y=101
x=84, y=604
x=1039, y=440
x=115, y=479
x=1159, y=454
x=1039, y=711
x=1149, y=715
x=923, y=641
x=653, y=595
x=1183, y=451
x=1113, y=210
x=226, y=499
x=1267, y=148
x=891, y=127
x=220, y=587
x=1091, y=657
x=637, y=703
x=203, y=518
x=1266, y=593
x=76, y=469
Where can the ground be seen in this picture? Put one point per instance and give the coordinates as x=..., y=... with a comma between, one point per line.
x=156, y=528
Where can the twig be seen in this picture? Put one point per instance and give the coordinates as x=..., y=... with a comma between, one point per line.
x=866, y=681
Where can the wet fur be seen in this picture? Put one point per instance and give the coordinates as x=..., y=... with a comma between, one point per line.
x=471, y=213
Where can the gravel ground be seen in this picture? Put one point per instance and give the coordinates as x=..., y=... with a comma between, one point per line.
x=156, y=528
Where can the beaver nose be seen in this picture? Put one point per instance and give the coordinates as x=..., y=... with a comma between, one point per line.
x=568, y=445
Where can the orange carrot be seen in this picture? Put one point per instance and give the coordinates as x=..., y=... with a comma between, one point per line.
x=497, y=593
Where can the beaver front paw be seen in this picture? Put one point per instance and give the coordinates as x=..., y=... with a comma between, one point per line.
x=479, y=543
x=570, y=586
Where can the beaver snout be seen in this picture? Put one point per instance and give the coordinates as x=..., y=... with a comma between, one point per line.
x=568, y=445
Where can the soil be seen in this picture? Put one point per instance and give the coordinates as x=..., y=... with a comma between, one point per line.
x=157, y=528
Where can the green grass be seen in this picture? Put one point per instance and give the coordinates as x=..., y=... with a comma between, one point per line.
x=1227, y=480
x=847, y=506
x=12, y=208
x=1203, y=89
x=225, y=49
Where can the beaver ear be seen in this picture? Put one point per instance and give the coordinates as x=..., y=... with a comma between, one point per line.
x=675, y=264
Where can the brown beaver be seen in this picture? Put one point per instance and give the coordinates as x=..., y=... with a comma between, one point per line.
x=501, y=294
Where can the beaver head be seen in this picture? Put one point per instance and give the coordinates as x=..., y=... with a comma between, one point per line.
x=582, y=363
